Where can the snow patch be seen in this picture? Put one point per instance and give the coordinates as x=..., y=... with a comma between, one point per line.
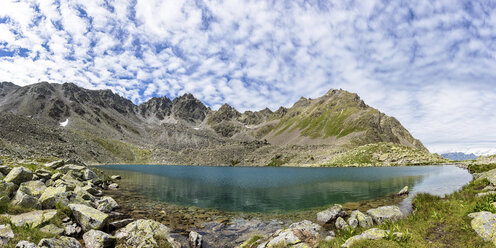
x=63, y=124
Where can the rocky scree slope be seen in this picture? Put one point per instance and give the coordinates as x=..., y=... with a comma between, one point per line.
x=106, y=127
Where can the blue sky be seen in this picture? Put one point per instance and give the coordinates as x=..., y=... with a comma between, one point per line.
x=431, y=64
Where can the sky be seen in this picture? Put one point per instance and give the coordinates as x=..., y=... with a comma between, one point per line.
x=430, y=64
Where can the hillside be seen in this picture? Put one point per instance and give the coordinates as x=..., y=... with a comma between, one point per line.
x=103, y=127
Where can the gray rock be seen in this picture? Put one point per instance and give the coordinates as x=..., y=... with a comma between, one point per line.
x=56, y=176
x=145, y=232
x=71, y=167
x=371, y=234
x=89, y=174
x=43, y=174
x=52, y=229
x=72, y=229
x=19, y=175
x=489, y=175
x=5, y=169
x=341, y=223
x=403, y=191
x=7, y=189
x=115, y=177
x=55, y=164
x=195, y=240
x=54, y=195
x=353, y=221
x=66, y=242
x=6, y=234
x=33, y=188
x=386, y=213
x=25, y=244
x=484, y=224
x=363, y=219
x=485, y=193
x=98, y=239
x=120, y=223
x=331, y=214
x=26, y=201
x=304, y=233
x=107, y=204
x=92, y=190
x=88, y=217
x=33, y=218
x=113, y=186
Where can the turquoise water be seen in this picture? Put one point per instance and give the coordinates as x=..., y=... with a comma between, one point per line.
x=264, y=189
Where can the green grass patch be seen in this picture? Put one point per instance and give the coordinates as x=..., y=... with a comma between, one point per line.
x=479, y=168
x=252, y=242
x=278, y=160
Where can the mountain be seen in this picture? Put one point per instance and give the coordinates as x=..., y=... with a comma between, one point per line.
x=459, y=156
x=105, y=127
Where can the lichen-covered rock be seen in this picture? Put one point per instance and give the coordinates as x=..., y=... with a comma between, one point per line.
x=5, y=169
x=33, y=188
x=88, y=217
x=300, y=234
x=19, y=175
x=43, y=174
x=143, y=233
x=7, y=189
x=363, y=219
x=341, y=223
x=484, y=224
x=26, y=201
x=113, y=186
x=69, y=179
x=403, y=191
x=115, y=177
x=98, y=239
x=107, y=204
x=82, y=196
x=90, y=189
x=89, y=174
x=485, y=193
x=55, y=164
x=53, y=195
x=34, y=218
x=52, y=229
x=56, y=176
x=25, y=244
x=62, y=242
x=71, y=167
x=6, y=234
x=489, y=175
x=386, y=213
x=371, y=234
x=331, y=214
x=195, y=240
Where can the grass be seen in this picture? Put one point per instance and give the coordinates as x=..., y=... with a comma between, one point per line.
x=478, y=168
x=278, y=160
x=252, y=242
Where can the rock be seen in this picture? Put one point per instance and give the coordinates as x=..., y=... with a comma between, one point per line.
x=56, y=176
x=489, y=188
x=5, y=169
x=52, y=229
x=485, y=193
x=82, y=196
x=403, y=191
x=88, y=217
x=353, y=221
x=55, y=164
x=489, y=175
x=371, y=234
x=113, y=186
x=7, y=189
x=33, y=218
x=386, y=213
x=331, y=214
x=484, y=224
x=107, y=204
x=115, y=177
x=25, y=244
x=145, y=232
x=33, y=188
x=43, y=174
x=72, y=229
x=6, y=234
x=72, y=180
x=363, y=219
x=19, y=175
x=98, y=239
x=89, y=174
x=66, y=242
x=303, y=234
x=53, y=195
x=92, y=190
x=341, y=223
x=195, y=240
x=71, y=167
x=26, y=201
x=120, y=223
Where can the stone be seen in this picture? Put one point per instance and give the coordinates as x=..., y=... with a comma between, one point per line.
x=72, y=180
x=489, y=188
x=341, y=223
x=52, y=229
x=195, y=240
x=303, y=234
x=33, y=218
x=19, y=175
x=7, y=189
x=26, y=201
x=56, y=176
x=484, y=224
x=113, y=186
x=329, y=238
x=371, y=234
x=403, y=191
x=141, y=233
x=107, y=204
x=331, y=214
x=88, y=217
x=6, y=234
x=98, y=239
x=25, y=244
x=353, y=221
x=89, y=174
x=71, y=167
x=92, y=190
x=54, y=195
x=489, y=175
x=82, y=196
x=485, y=193
x=5, y=169
x=120, y=223
x=386, y=213
x=33, y=188
x=72, y=229
x=65, y=242
x=363, y=219
x=43, y=174
x=55, y=164
x=115, y=177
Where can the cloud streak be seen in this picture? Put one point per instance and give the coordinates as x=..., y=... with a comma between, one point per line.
x=430, y=64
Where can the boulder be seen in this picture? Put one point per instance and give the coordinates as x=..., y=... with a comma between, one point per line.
x=55, y=164
x=66, y=242
x=386, y=213
x=26, y=201
x=7, y=189
x=485, y=193
x=72, y=229
x=98, y=239
x=107, y=204
x=25, y=244
x=71, y=167
x=371, y=234
x=82, y=196
x=53, y=195
x=52, y=229
x=141, y=233
x=331, y=214
x=120, y=223
x=92, y=190
x=6, y=234
x=353, y=221
x=363, y=219
x=43, y=174
x=303, y=234
x=113, y=186
x=5, y=169
x=88, y=217
x=403, y=191
x=489, y=175
x=341, y=223
x=69, y=179
x=56, y=176
x=19, y=175
x=33, y=218
x=484, y=224
x=33, y=188
x=115, y=177
x=195, y=240
x=89, y=174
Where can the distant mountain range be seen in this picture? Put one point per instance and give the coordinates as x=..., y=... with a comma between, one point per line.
x=459, y=156
x=105, y=127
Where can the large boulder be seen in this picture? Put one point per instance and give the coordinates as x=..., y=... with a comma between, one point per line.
x=71, y=167
x=341, y=224
x=107, y=204
x=34, y=218
x=386, y=213
x=363, y=219
x=371, y=234
x=300, y=234
x=331, y=214
x=19, y=175
x=6, y=234
x=52, y=229
x=66, y=242
x=26, y=201
x=484, y=224
x=489, y=175
x=195, y=240
x=89, y=174
x=33, y=188
x=43, y=174
x=98, y=239
x=82, y=196
x=5, y=169
x=144, y=233
x=55, y=164
x=88, y=217
x=7, y=190
x=25, y=244
x=53, y=195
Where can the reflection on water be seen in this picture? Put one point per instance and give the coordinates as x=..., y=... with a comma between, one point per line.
x=262, y=189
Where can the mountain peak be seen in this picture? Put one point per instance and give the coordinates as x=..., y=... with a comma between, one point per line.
x=189, y=109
